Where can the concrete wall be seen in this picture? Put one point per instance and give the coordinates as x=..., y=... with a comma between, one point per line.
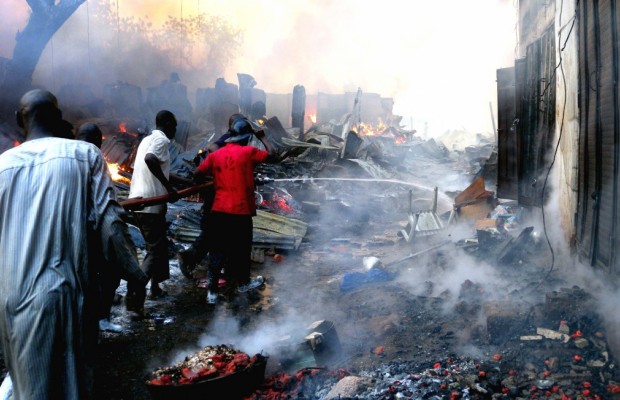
x=535, y=16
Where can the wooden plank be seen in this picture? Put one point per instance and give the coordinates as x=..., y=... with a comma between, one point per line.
x=277, y=223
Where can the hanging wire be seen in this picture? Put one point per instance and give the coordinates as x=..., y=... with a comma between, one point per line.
x=53, y=69
x=181, y=47
x=557, y=146
x=118, y=30
x=88, y=33
x=515, y=4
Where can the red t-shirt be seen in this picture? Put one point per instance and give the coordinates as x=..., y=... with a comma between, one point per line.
x=232, y=168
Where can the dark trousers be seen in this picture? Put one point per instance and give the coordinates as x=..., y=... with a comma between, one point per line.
x=199, y=249
x=230, y=242
x=154, y=228
x=108, y=276
x=108, y=283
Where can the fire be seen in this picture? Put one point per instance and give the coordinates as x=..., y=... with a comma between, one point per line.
x=312, y=118
x=114, y=169
x=380, y=129
x=279, y=204
x=122, y=127
x=16, y=143
x=365, y=129
x=400, y=140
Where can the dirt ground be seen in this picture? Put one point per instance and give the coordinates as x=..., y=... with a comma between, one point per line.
x=431, y=307
x=424, y=310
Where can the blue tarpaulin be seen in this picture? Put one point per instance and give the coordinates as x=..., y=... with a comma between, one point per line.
x=354, y=280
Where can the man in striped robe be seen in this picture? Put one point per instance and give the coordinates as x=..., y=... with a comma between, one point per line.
x=55, y=197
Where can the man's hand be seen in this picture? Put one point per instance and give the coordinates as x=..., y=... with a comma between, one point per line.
x=173, y=196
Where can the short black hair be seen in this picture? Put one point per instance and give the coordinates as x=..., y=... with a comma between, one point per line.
x=164, y=118
x=90, y=132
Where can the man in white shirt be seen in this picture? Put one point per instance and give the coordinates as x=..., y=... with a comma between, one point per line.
x=150, y=178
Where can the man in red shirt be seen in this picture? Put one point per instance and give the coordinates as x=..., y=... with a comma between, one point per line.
x=230, y=238
x=199, y=249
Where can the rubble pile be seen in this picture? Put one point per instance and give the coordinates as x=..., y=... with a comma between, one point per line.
x=361, y=216
x=571, y=361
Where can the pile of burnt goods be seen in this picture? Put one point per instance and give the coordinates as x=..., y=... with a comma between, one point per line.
x=500, y=237
x=333, y=171
x=320, y=151
x=271, y=231
x=558, y=351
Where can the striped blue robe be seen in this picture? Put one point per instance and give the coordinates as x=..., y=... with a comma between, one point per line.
x=54, y=193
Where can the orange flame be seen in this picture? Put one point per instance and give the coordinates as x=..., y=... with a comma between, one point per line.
x=122, y=127
x=312, y=118
x=400, y=140
x=366, y=129
x=16, y=143
x=114, y=169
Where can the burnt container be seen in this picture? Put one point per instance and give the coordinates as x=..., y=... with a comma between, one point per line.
x=324, y=342
x=294, y=355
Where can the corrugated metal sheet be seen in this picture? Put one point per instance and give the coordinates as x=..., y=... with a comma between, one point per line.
x=599, y=161
x=537, y=118
x=507, y=155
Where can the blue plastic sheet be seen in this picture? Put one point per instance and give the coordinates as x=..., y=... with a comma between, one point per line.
x=353, y=280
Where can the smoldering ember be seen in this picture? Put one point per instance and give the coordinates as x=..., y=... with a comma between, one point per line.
x=396, y=266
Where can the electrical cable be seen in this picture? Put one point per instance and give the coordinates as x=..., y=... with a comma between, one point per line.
x=53, y=66
x=557, y=146
x=88, y=34
x=118, y=29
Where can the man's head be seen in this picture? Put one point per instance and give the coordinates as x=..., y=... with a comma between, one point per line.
x=234, y=117
x=90, y=133
x=38, y=110
x=167, y=123
x=240, y=131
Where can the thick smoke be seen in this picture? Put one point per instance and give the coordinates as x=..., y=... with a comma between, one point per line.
x=436, y=59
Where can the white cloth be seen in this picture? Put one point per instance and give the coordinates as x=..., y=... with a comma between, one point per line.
x=54, y=194
x=143, y=182
x=6, y=389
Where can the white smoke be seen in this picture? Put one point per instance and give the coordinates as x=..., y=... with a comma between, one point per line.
x=437, y=59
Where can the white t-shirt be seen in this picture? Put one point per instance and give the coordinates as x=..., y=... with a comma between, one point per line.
x=143, y=182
